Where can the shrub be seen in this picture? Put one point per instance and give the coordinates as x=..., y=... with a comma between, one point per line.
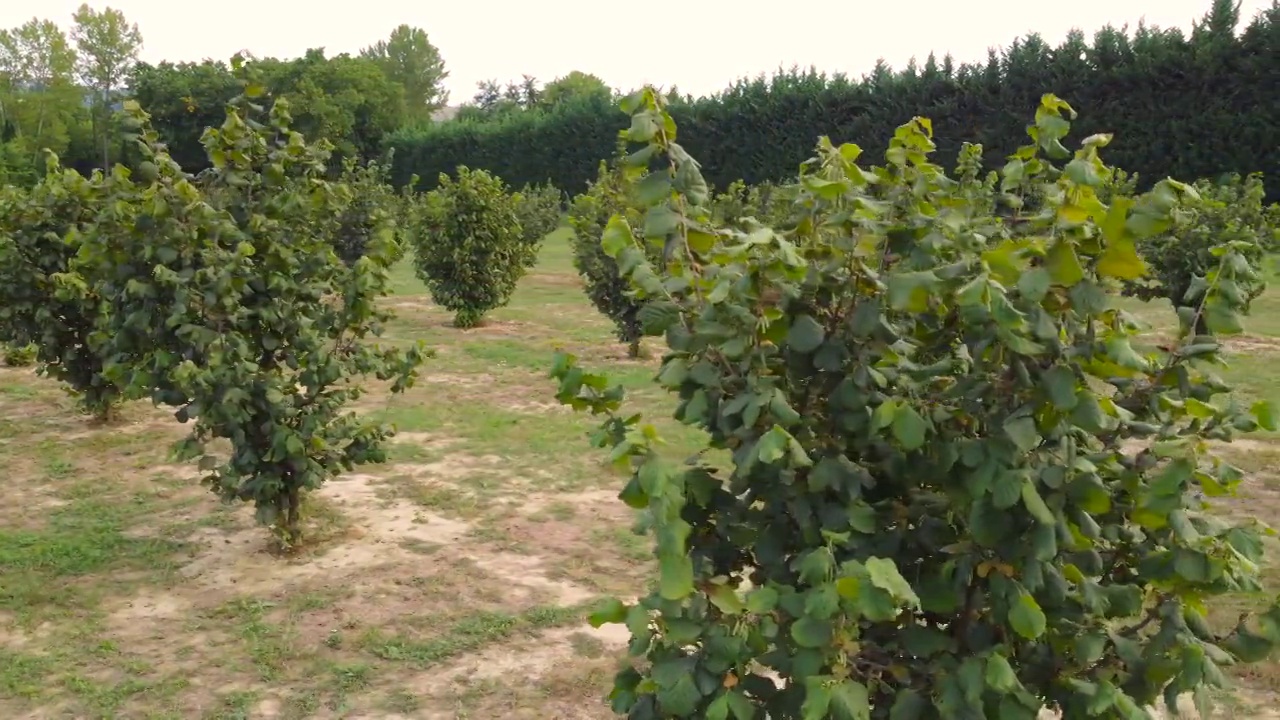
x=472, y=250
x=20, y=355
x=1181, y=258
x=957, y=490
x=734, y=204
x=41, y=305
x=373, y=203
x=228, y=302
x=767, y=203
x=589, y=212
x=539, y=208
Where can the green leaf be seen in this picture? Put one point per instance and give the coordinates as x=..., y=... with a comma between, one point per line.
x=660, y=221
x=817, y=699
x=773, y=445
x=1022, y=431
x=675, y=576
x=1089, y=647
x=653, y=188
x=805, y=334
x=1035, y=504
x=681, y=699
x=999, y=675
x=909, y=428
x=922, y=641
x=884, y=575
x=1063, y=264
x=726, y=598
x=608, y=611
x=1221, y=318
x=719, y=708
x=850, y=701
x=1120, y=259
x=884, y=414
x=762, y=600
x=1060, y=385
x=741, y=706
x=617, y=235
x=908, y=704
x=1026, y=618
x=811, y=632
x=910, y=291
x=1034, y=284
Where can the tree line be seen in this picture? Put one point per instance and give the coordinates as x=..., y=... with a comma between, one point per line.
x=1213, y=90
x=63, y=91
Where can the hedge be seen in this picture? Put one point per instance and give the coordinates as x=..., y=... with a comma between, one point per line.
x=1214, y=93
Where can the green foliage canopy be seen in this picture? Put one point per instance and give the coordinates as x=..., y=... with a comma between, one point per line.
x=957, y=488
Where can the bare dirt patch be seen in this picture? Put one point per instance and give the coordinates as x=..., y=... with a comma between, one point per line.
x=456, y=466
x=476, y=380
x=1251, y=344
x=536, y=407
x=532, y=659
x=555, y=279
x=431, y=441
x=527, y=574
x=490, y=327
x=410, y=303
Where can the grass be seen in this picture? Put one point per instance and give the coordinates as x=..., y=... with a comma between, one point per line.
x=450, y=581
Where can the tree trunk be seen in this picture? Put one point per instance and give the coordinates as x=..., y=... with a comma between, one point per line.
x=293, y=516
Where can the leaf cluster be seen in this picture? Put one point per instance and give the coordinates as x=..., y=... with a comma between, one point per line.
x=1230, y=209
x=42, y=305
x=539, y=208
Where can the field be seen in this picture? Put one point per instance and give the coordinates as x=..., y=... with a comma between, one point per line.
x=450, y=582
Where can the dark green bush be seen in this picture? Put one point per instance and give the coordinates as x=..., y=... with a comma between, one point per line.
x=372, y=204
x=470, y=248
x=610, y=194
x=540, y=208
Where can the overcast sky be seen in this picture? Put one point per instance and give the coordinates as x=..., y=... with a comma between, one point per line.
x=482, y=39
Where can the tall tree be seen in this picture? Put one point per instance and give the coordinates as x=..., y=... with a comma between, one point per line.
x=576, y=84
x=525, y=94
x=39, y=64
x=108, y=48
x=409, y=59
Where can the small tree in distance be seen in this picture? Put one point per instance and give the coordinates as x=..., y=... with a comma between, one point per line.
x=610, y=195
x=471, y=250
x=957, y=489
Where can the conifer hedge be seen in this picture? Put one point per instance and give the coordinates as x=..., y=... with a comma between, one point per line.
x=1213, y=92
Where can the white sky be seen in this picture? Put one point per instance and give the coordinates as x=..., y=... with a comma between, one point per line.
x=482, y=39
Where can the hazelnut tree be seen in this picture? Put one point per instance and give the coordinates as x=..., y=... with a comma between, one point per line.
x=227, y=301
x=955, y=488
